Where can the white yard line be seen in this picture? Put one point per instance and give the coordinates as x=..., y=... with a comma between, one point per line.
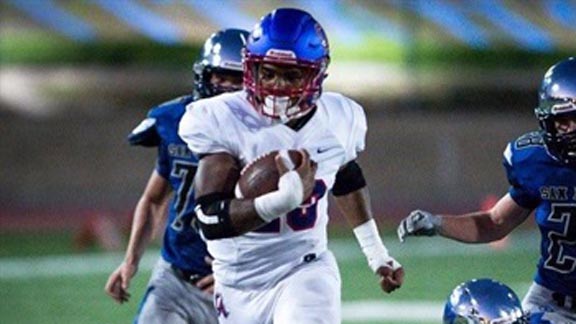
x=370, y=310
x=53, y=266
x=345, y=250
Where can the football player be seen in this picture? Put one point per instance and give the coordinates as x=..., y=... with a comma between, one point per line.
x=271, y=261
x=180, y=288
x=484, y=300
x=541, y=168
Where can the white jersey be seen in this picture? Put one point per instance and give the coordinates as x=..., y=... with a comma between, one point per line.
x=333, y=137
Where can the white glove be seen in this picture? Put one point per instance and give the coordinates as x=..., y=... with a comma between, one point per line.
x=419, y=223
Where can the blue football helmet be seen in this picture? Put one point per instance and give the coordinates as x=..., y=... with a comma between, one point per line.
x=483, y=301
x=557, y=98
x=222, y=54
x=289, y=38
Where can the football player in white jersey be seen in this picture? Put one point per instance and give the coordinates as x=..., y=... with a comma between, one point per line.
x=271, y=261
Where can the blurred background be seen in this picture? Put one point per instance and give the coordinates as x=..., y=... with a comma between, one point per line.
x=445, y=84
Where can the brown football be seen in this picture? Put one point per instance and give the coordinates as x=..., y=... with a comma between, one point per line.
x=261, y=175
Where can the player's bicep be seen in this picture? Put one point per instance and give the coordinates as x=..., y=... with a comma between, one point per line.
x=217, y=173
x=508, y=214
x=220, y=216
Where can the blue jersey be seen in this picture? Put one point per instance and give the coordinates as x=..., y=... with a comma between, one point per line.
x=182, y=244
x=547, y=186
x=537, y=319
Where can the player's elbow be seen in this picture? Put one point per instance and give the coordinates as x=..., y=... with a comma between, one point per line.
x=492, y=230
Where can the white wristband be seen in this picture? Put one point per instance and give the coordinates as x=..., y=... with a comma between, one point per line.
x=289, y=195
x=372, y=246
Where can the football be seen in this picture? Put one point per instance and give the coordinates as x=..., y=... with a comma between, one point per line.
x=261, y=175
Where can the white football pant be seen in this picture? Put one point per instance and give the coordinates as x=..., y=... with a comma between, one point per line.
x=310, y=294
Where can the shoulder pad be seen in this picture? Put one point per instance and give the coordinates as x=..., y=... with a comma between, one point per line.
x=145, y=134
x=181, y=101
x=529, y=139
x=528, y=147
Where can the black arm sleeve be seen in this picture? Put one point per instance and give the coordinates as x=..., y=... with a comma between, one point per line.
x=212, y=212
x=348, y=179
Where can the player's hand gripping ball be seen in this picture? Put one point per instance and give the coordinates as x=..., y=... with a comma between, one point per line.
x=261, y=175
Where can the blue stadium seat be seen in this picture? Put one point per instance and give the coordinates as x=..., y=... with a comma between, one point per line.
x=526, y=34
x=143, y=20
x=223, y=14
x=50, y=14
x=562, y=11
x=451, y=18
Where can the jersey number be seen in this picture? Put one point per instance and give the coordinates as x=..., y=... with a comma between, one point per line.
x=301, y=218
x=185, y=171
x=557, y=260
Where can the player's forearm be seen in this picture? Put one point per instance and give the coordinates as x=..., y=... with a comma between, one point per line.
x=485, y=226
x=228, y=218
x=249, y=214
x=142, y=230
x=356, y=208
x=244, y=217
x=150, y=212
x=477, y=227
x=221, y=215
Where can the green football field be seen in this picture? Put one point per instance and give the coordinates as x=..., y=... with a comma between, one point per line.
x=41, y=284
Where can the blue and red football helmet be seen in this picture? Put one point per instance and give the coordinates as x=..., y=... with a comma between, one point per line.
x=483, y=301
x=557, y=98
x=222, y=54
x=289, y=38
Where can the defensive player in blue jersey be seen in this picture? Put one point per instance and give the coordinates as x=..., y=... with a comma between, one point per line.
x=180, y=288
x=541, y=169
